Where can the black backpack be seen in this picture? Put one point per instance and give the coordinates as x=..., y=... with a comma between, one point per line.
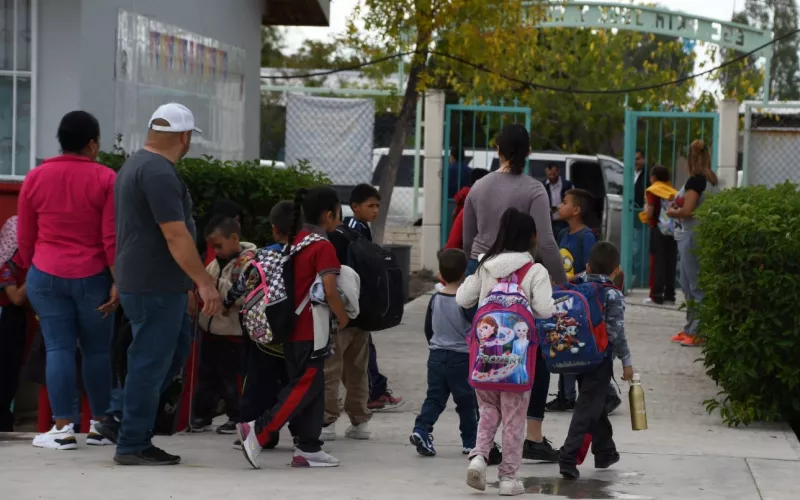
x=381, y=301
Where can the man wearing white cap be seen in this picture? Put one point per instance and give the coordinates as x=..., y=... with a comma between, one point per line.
x=157, y=261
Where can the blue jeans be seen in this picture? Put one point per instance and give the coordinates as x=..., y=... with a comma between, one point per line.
x=448, y=372
x=566, y=386
x=67, y=310
x=162, y=337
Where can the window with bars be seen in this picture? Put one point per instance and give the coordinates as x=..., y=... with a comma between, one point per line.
x=16, y=87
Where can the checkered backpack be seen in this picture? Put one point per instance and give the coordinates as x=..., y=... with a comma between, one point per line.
x=268, y=314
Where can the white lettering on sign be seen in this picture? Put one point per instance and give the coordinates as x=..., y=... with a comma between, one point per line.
x=654, y=20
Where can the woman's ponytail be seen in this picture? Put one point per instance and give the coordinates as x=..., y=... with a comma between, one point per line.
x=514, y=146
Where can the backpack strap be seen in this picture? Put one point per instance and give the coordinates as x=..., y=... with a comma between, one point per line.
x=308, y=240
x=518, y=275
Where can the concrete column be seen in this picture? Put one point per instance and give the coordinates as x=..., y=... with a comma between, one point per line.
x=728, y=142
x=432, y=209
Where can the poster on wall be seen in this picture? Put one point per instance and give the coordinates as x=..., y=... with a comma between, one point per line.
x=158, y=63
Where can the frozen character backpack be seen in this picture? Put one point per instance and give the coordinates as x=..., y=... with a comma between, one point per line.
x=666, y=224
x=502, y=344
x=575, y=339
x=268, y=313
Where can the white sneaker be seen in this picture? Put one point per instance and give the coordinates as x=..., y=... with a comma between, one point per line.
x=318, y=459
x=511, y=487
x=94, y=438
x=250, y=445
x=358, y=431
x=476, y=473
x=328, y=433
x=57, y=439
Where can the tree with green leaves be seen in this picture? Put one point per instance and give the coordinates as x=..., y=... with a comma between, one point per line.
x=781, y=16
x=743, y=79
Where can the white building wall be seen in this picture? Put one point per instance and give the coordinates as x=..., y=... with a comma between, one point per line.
x=77, y=50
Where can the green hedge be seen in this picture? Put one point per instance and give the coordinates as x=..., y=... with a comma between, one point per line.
x=749, y=251
x=254, y=187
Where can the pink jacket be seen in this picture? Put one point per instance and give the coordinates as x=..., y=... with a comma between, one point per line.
x=66, y=217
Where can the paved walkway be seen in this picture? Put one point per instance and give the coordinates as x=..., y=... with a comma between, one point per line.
x=686, y=454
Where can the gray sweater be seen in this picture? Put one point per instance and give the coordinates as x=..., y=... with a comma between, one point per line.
x=493, y=195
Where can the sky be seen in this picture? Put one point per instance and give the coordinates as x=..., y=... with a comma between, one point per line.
x=341, y=9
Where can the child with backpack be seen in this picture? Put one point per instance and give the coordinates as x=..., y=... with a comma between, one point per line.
x=583, y=337
x=447, y=328
x=386, y=311
x=220, y=358
x=663, y=246
x=511, y=289
x=283, y=309
x=575, y=241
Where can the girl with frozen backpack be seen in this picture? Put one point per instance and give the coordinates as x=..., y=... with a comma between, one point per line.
x=511, y=291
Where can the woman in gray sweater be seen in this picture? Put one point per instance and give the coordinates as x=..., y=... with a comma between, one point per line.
x=488, y=199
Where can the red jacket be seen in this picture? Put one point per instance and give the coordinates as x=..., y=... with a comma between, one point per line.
x=456, y=238
x=460, y=198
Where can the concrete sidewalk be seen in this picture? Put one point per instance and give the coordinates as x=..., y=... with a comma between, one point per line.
x=685, y=454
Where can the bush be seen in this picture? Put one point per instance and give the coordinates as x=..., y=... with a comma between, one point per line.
x=749, y=251
x=253, y=187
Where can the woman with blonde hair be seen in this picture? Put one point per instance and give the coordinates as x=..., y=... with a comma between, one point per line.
x=689, y=198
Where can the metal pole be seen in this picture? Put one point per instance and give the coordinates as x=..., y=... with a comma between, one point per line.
x=418, y=148
x=627, y=198
x=767, y=75
x=748, y=123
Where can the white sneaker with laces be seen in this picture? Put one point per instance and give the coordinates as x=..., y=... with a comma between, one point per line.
x=318, y=459
x=94, y=438
x=511, y=487
x=328, y=433
x=57, y=439
x=250, y=445
x=476, y=473
x=358, y=431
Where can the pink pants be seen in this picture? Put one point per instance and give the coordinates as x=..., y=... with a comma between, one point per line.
x=511, y=409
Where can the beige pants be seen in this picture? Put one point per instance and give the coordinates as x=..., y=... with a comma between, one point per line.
x=348, y=366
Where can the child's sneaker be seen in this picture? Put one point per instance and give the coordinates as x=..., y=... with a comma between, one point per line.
x=511, y=487
x=94, y=438
x=201, y=425
x=541, y=452
x=569, y=471
x=476, y=473
x=228, y=427
x=57, y=439
x=357, y=431
x=693, y=341
x=318, y=459
x=250, y=445
x=560, y=404
x=424, y=443
x=385, y=401
x=680, y=337
x=328, y=433
x=605, y=461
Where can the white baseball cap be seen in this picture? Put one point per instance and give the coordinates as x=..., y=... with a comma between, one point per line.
x=178, y=116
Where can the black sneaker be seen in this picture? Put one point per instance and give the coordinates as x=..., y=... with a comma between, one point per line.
x=612, y=403
x=228, y=427
x=108, y=428
x=560, y=404
x=569, y=471
x=495, y=455
x=199, y=424
x=541, y=452
x=605, y=461
x=149, y=456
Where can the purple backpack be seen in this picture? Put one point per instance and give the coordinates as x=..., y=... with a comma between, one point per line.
x=503, y=340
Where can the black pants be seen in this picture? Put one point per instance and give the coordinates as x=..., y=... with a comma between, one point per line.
x=265, y=377
x=378, y=384
x=218, y=377
x=665, y=250
x=590, y=416
x=12, y=340
x=301, y=401
x=541, y=385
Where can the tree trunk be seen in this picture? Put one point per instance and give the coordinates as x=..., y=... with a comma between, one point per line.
x=389, y=176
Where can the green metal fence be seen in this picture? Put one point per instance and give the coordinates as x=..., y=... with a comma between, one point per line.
x=663, y=138
x=469, y=137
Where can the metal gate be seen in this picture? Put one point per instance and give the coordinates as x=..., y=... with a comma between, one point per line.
x=662, y=137
x=469, y=137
